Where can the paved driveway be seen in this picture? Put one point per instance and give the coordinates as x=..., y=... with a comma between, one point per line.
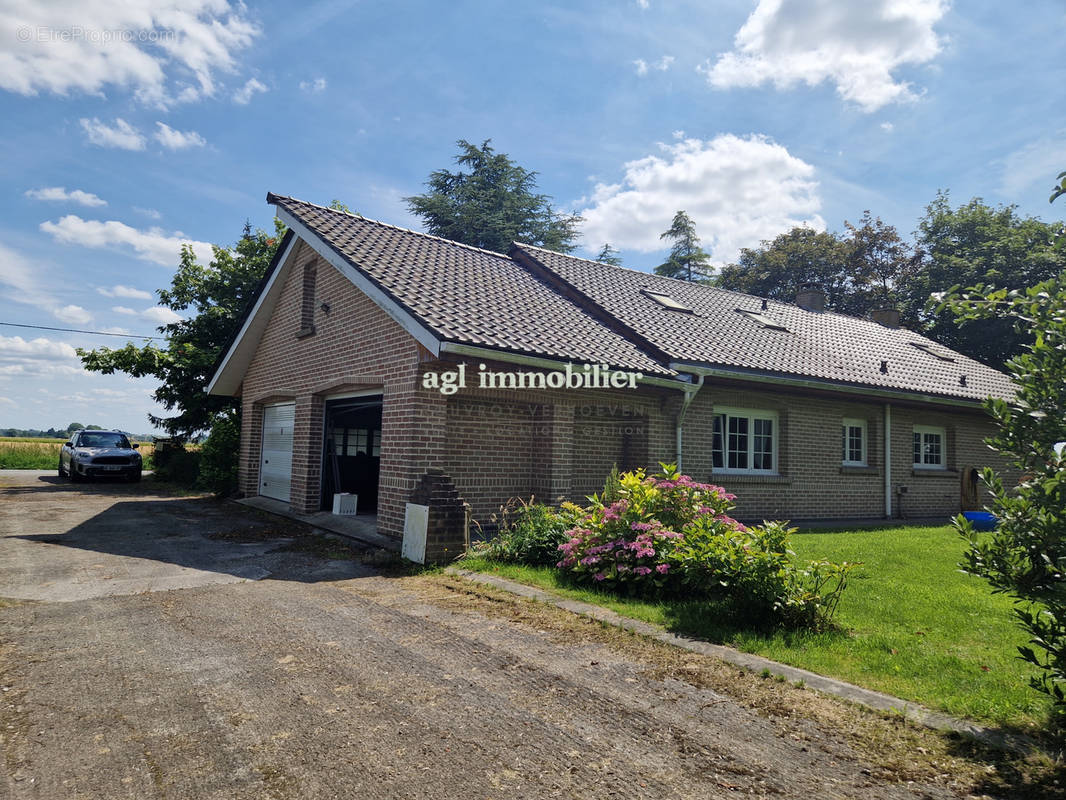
x=320, y=680
x=63, y=542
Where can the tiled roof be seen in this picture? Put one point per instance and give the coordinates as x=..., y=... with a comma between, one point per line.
x=467, y=295
x=826, y=345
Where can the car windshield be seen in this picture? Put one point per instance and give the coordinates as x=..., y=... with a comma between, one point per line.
x=96, y=439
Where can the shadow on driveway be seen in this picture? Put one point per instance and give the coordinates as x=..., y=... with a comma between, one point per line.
x=61, y=542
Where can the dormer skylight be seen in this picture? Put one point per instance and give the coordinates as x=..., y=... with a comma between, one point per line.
x=761, y=319
x=934, y=352
x=666, y=301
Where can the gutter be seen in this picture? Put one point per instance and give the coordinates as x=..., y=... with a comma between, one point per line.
x=488, y=354
x=823, y=385
x=691, y=390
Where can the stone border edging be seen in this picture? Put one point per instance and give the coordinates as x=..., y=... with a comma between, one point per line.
x=831, y=686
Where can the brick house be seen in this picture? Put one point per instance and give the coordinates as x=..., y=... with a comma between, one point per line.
x=349, y=358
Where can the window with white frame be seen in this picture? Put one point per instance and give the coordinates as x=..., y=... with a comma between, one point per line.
x=930, y=447
x=744, y=441
x=853, y=442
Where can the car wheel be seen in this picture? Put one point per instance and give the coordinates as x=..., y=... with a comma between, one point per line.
x=62, y=474
x=73, y=472
x=134, y=477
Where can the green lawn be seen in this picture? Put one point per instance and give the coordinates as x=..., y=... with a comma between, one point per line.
x=910, y=624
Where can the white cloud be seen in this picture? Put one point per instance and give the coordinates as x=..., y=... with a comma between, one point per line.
x=662, y=65
x=152, y=245
x=155, y=48
x=857, y=46
x=642, y=3
x=887, y=127
x=61, y=195
x=245, y=93
x=177, y=140
x=124, y=291
x=1034, y=166
x=313, y=87
x=75, y=315
x=151, y=213
x=738, y=191
x=121, y=135
x=26, y=357
x=159, y=315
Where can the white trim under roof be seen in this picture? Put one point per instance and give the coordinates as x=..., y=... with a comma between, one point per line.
x=825, y=385
x=399, y=314
x=266, y=301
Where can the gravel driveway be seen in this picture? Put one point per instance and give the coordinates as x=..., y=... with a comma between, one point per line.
x=313, y=682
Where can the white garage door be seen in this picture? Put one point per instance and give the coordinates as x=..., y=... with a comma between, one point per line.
x=275, y=470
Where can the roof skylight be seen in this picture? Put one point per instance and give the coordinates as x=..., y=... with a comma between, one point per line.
x=934, y=352
x=762, y=319
x=666, y=301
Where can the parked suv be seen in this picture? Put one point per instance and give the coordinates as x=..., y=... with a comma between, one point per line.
x=94, y=454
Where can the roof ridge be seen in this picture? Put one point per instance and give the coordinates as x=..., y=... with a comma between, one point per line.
x=654, y=275
x=388, y=225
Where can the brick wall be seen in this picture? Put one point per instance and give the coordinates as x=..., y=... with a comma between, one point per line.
x=811, y=482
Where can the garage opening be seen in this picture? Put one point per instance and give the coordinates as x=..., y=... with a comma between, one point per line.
x=352, y=451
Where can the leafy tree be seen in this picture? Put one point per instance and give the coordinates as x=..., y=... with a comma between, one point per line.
x=779, y=267
x=687, y=260
x=976, y=243
x=1025, y=556
x=492, y=204
x=878, y=262
x=608, y=255
x=75, y=426
x=216, y=294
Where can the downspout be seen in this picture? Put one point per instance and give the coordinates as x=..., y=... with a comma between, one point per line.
x=690, y=395
x=888, y=461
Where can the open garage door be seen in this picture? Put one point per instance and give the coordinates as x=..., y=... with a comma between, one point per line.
x=352, y=451
x=275, y=469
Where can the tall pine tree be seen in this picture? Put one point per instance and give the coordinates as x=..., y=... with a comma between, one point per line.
x=687, y=260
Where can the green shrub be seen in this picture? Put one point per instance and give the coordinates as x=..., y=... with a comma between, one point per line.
x=667, y=533
x=219, y=457
x=529, y=533
x=175, y=464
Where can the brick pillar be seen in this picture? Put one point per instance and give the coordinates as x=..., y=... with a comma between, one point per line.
x=446, y=532
x=251, y=442
x=413, y=440
x=306, y=489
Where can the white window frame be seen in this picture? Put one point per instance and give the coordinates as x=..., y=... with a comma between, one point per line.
x=751, y=414
x=928, y=430
x=845, y=424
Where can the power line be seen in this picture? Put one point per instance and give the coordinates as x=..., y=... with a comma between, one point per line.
x=75, y=330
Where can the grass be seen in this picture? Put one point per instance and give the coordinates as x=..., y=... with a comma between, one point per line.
x=910, y=624
x=19, y=453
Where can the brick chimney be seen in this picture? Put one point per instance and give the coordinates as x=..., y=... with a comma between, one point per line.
x=889, y=317
x=810, y=298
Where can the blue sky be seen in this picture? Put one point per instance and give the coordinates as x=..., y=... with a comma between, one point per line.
x=129, y=127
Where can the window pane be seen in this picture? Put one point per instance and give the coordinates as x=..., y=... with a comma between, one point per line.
x=917, y=448
x=717, y=454
x=843, y=442
x=738, y=442
x=854, y=444
x=933, y=453
x=763, y=444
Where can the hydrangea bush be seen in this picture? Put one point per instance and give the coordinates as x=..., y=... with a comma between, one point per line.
x=666, y=533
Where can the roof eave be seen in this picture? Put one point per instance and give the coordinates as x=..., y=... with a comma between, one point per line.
x=821, y=384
